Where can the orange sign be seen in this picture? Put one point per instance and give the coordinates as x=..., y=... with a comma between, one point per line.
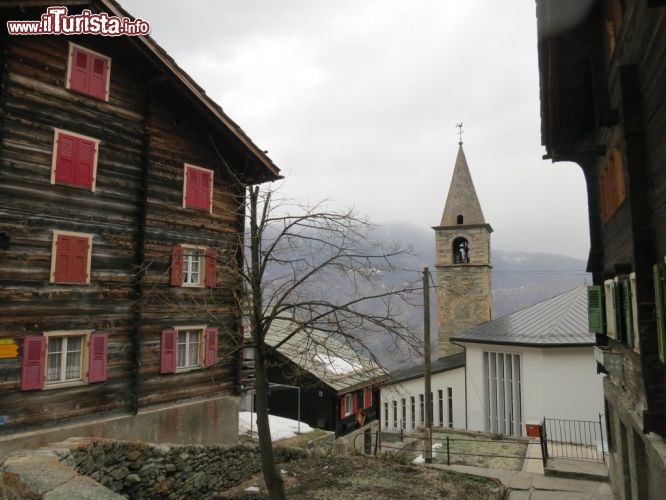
x=8, y=349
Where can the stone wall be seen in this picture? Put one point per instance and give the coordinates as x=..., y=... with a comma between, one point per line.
x=104, y=469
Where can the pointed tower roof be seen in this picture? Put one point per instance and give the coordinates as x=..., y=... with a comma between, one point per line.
x=462, y=199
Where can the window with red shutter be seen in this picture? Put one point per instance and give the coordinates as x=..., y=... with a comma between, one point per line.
x=198, y=188
x=88, y=72
x=367, y=397
x=74, y=160
x=343, y=407
x=33, y=363
x=97, y=357
x=71, y=258
x=210, y=357
x=168, y=351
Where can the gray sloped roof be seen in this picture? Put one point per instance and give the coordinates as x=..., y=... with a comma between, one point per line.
x=440, y=365
x=326, y=357
x=555, y=322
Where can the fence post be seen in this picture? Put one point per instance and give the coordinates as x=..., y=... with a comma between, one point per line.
x=376, y=441
x=448, y=453
x=401, y=434
x=543, y=438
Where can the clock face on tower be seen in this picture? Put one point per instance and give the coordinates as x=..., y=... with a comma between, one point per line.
x=460, y=285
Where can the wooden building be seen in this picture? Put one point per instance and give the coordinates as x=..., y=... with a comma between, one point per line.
x=321, y=379
x=602, y=68
x=121, y=215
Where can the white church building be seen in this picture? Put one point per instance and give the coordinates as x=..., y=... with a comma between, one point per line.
x=494, y=375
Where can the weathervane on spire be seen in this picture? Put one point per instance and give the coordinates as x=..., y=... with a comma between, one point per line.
x=460, y=132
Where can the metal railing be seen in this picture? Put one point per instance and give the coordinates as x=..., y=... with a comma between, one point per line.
x=445, y=447
x=580, y=439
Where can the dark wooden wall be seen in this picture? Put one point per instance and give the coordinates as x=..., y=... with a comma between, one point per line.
x=148, y=130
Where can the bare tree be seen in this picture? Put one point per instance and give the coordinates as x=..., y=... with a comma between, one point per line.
x=295, y=261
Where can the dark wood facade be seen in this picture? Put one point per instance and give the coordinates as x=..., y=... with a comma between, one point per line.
x=155, y=121
x=321, y=406
x=603, y=106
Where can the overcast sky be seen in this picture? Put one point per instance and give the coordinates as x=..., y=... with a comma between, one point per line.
x=357, y=102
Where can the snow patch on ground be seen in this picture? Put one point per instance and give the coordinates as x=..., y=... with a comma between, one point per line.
x=281, y=428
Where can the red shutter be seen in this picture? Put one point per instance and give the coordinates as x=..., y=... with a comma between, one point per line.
x=79, y=260
x=65, y=159
x=367, y=397
x=83, y=174
x=71, y=265
x=355, y=403
x=98, y=75
x=177, y=265
x=210, y=356
x=97, y=355
x=343, y=407
x=191, y=181
x=205, y=189
x=33, y=363
x=79, y=70
x=210, y=277
x=169, y=351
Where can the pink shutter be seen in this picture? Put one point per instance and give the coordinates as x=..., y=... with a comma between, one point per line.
x=210, y=357
x=85, y=162
x=177, y=265
x=97, y=356
x=65, y=159
x=210, y=277
x=97, y=77
x=343, y=407
x=33, y=363
x=78, y=79
x=169, y=351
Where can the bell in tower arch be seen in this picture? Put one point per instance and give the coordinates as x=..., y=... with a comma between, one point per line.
x=460, y=251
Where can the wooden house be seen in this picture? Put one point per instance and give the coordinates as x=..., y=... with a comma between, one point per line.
x=122, y=214
x=322, y=379
x=602, y=67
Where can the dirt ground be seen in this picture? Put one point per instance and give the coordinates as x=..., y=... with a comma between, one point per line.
x=368, y=478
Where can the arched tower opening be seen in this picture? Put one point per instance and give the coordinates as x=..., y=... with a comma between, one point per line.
x=460, y=251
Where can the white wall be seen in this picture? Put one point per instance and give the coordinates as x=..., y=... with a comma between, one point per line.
x=454, y=379
x=556, y=382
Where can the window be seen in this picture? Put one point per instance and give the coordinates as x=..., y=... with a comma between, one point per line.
x=422, y=409
x=395, y=414
x=449, y=394
x=193, y=266
x=58, y=359
x=70, y=258
x=440, y=406
x=198, y=188
x=88, y=72
x=459, y=219
x=74, y=160
x=404, y=413
x=612, y=296
x=347, y=405
x=413, y=413
x=386, y=416
x=501, y=394
x=460, y=251
x=187, y=348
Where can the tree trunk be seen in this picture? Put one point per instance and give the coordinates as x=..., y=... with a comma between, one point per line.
x=272, y=477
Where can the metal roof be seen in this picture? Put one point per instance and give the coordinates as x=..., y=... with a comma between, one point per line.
x=438, y=366
x=332, y=360
x=555, y=322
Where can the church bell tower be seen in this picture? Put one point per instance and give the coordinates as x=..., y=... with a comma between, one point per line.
x=462, y=260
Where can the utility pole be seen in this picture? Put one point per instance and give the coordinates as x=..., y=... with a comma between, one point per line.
x=426, y=364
